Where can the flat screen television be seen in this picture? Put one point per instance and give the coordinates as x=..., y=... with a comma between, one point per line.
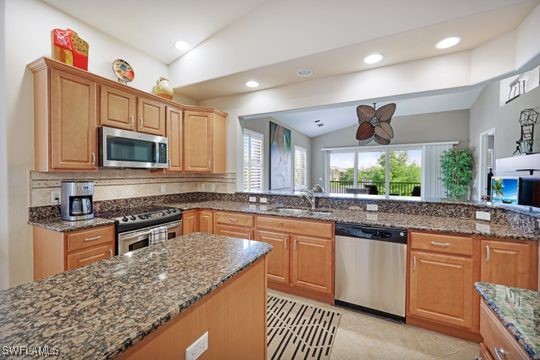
x=516, y=190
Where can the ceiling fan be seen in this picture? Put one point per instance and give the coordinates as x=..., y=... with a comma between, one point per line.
x=374, y=124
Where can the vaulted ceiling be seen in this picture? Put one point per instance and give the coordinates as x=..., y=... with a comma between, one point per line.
x=270, y=40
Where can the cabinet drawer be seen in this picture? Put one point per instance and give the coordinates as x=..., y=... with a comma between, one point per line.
x=234, y=231
x=449, y=244
x=496, y=337
x=90, y=237
x=89, y=256
x=234, y=219
x=309, y=228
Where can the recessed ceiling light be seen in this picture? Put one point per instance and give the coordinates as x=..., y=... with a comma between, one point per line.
x=181, y=45
x=373, y=58
x=320, y=124
x=448, y=42
x=252, y=84
x=317, y=121
x=304, y=72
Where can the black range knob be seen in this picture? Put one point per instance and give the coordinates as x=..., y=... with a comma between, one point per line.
x=132, y=217
x=124, y=219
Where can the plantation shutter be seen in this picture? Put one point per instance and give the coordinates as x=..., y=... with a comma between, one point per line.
x=432, y=184
x=299, y=168
x=253, y=161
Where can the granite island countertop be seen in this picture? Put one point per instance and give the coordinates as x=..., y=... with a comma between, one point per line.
x=408, y=221
x=100, y=310
x=519, y=312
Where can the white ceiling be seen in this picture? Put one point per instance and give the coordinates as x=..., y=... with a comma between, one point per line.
x=269, y=40
x=344, y=115
x=155, y=26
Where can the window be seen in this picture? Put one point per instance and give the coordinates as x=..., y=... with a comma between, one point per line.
x=395, y=172
x=253, y=160
x=300, y=182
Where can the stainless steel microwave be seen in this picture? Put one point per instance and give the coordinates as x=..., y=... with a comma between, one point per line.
x=130, y=149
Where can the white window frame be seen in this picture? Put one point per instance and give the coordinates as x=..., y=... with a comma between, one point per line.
x=252, y=134
x=304, y=185
x=482, y=180
x=376, y=148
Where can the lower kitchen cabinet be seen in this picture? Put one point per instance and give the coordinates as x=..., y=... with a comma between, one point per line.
x=509, y=263
x=190, y=222
x=55, y=252
x=312, y=260
x=278, y=259
x=206, y=221
x=233, y=231
x=441, y=288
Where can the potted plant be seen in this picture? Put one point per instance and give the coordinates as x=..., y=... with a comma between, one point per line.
x=457, y=172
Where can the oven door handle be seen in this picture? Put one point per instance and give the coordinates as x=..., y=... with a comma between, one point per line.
x=137, y=234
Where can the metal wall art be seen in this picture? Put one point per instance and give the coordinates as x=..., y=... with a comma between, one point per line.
x=374, y=124
x=517, y=87
x=527, y=119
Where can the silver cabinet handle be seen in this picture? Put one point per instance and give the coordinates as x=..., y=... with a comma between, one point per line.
x=93, y=157
x=414, y=263
x=93, y=238
x=233, y=220
x=111, y=253
x=295, y=244
x=488, y=253
x=130, y=119
x=434, y=243
x=286, y=243
x=169, y=163
x=209, y=163
x=500, y=353
x=140, y=122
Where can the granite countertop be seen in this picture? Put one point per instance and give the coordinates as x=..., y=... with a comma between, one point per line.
x=412, y=222
x=57, y=224
x=519, y=312
x=100, y=310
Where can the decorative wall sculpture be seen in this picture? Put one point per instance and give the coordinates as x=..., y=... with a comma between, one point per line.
x=280, y=157
x=374, y=124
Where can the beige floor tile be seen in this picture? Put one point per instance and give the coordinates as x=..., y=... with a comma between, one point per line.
x=365, y=336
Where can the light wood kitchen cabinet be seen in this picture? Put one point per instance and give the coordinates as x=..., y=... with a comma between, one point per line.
x=233, y=231
x=509, y=263
x=312, y=260
x=55, y=252
x=190, y=223
x=441, y=288
x=206, y=221
x=65, y=120
x=117, y=108
x=175, y=134
x=497, y=343
x=150, y=116
x=204, y=141
x=278, y=259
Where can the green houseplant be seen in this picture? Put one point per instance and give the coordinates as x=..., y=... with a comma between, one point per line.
x=457, y=172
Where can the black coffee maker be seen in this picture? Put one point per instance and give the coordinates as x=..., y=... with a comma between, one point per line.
x=77, y=200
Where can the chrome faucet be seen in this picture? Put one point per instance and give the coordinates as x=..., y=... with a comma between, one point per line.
x=310, y=196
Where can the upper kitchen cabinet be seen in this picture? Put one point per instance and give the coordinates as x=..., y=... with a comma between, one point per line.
x=204, y=140
x=117, y=108
x=151, y=116
x=175, y=132
x=65, y=118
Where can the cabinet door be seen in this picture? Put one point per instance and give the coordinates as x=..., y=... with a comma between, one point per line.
x=234, y=231
x=206, y=221
x=151, y=116
x=174, y=136
x=197, y=141
x=189, y=222
x=312, y=263
x=441, y=288
x=117, y=108
x=278, y=259
x=89, y=256
x=507, y=263
x=73, y=122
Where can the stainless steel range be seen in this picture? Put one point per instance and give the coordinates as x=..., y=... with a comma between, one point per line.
x=134, y=227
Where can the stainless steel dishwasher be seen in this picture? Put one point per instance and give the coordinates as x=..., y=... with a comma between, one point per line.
x=371, y=265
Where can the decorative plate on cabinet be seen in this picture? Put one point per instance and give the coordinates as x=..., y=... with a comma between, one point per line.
x=123, y=70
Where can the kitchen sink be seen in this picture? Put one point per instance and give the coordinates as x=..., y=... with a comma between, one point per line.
x=320, y=213
x=292, y=211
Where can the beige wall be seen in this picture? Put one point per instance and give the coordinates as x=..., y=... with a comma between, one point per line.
x=32, y=20
x=433, y=127
x=4, y=204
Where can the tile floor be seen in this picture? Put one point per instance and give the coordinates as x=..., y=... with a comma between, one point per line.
x=364, y=336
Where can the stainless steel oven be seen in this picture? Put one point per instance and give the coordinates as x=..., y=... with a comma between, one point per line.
x=130, y=149
x=140, y=238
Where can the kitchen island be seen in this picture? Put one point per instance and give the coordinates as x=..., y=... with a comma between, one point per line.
x=157, y=300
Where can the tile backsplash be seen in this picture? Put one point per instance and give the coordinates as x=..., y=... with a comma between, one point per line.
x=128, y=183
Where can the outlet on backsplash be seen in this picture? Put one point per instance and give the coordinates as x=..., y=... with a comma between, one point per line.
x=55, y=197
x=483, y=215
x=263, y=200
x=372, y=207
x=163, y=188
x=252, y=199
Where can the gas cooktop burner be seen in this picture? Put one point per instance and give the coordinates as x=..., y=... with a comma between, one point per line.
x=146, y=216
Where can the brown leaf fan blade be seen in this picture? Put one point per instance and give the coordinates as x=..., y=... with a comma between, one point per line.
x=365, y=113
x=380, y=140
x=384, y=130
x=385, y=113
x=365, y=131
